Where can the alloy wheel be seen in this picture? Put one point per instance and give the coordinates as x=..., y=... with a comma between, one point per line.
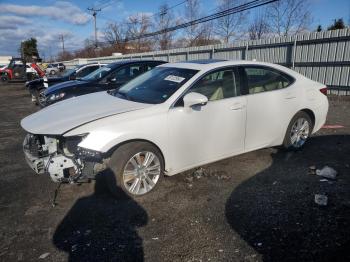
x=141, y=173
x=299, y=132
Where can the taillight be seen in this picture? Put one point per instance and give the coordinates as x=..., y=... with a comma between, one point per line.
x=324, y=90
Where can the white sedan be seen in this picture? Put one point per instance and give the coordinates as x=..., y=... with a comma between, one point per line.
x=173, y=118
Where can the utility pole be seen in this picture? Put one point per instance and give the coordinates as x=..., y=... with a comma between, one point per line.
x=62, y=39
x=94, y=13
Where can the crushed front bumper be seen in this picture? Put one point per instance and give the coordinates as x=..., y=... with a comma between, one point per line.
x=43, y=158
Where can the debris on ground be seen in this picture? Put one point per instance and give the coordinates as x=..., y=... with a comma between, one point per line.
x=45, y=255
x=312, y=170
x=321, y=199
x=155, y=238
x=327, y=172
x=199, y=173
x=324, y=180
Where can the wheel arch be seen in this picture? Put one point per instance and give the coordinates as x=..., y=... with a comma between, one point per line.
x=310, y=113
x=115, y=147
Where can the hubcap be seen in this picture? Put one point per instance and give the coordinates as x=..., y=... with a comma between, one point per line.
x=141, y=173
x=299, y=133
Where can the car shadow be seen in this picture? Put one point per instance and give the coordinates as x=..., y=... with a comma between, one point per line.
x=101, y=227
x=275, y=213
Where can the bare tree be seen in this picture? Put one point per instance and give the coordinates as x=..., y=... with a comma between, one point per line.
x=288, y=17
x=163, y=20
x=231, y=26
x=196, y=31
x=115, y=35
x=259, y=27
x=137, y=26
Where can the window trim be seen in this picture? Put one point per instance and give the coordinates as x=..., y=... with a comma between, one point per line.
x=245, y=78
x=232, y=67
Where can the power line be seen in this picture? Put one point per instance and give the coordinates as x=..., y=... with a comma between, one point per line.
x=62, y=39
x=230, y=11
x=94, y=13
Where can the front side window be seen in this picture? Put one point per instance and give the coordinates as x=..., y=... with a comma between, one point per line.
x=156, y=85
x=220, y=84
x=87, y=70
x=261, y=79
x=98, y=74
x=127, y=73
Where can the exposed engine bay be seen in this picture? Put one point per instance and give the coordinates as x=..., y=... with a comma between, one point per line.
x=62, y=158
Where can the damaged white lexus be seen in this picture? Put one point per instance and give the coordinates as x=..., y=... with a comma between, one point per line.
x=173, y=118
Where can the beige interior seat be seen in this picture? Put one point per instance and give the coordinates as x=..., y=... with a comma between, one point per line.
x=217, y=95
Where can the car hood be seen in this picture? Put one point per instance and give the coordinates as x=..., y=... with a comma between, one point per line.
x=63, y=116
x=63, y=86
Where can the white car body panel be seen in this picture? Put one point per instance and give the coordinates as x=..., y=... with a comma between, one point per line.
x=200, y=135
x=186, y=137
x=63, y=116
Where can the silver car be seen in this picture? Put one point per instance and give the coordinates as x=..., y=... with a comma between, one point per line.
x=51, y=70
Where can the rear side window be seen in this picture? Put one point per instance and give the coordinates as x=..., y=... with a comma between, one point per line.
x=263, y=79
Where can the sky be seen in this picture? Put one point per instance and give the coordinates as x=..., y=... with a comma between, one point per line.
x=46, y=20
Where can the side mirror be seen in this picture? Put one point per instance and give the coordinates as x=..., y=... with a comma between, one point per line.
x=195, y=99
x=111, y=80
x=73, y=77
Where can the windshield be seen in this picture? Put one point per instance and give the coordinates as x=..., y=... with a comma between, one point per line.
x=155, y=86
x=97, y=74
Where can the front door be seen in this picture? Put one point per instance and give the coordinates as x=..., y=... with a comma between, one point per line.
x=216, y=130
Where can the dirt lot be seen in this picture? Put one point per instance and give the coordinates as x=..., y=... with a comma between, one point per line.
x=254, y=207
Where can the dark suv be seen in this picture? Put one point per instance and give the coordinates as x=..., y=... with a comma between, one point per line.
x=111, y=76
x=37, y=87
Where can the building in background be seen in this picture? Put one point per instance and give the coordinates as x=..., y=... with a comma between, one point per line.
x=5, y=60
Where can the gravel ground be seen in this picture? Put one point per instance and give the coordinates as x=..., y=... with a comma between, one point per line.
x=257, y=206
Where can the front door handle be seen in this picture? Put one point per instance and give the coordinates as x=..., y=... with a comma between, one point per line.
x=237, y=106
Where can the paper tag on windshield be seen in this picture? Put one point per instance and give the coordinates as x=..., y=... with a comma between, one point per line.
x=177, y=79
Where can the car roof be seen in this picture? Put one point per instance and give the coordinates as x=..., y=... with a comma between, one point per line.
x=205, y=66
x=134, y=61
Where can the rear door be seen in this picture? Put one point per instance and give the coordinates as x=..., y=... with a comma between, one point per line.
x=271, y=103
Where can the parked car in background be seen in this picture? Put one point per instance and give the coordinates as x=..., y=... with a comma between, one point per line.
x=173, y=118
x=37, y=87
x=60, y=66
x=51, y=70
x=30, y=70
x=111, y=76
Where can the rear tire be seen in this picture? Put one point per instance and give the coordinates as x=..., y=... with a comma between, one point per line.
x=137, y=168
x=298, y=131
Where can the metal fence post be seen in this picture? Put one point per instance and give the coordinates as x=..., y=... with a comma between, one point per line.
x=294, y=53
x=168, y=57
x=246, y=52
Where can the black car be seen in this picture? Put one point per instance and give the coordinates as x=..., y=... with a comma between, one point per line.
x=37, y=87
x=111, y=76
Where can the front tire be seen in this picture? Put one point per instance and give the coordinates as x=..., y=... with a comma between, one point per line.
x=298, y=131
x=137, y=168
